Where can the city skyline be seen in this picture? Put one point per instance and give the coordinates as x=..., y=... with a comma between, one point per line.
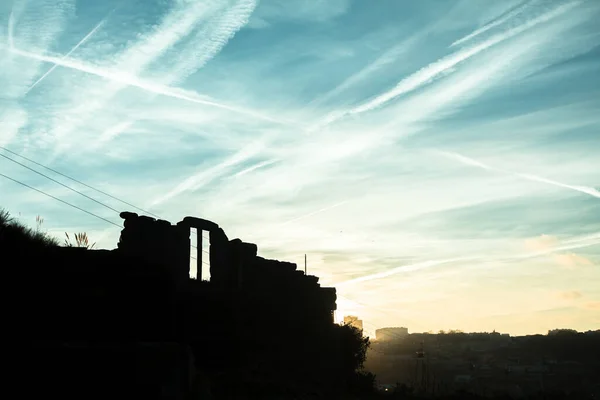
x=403, y=330
x=436, y=164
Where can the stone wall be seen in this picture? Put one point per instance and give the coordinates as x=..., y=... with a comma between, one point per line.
x=234, y=265
x=300, y=295
x=157, y=241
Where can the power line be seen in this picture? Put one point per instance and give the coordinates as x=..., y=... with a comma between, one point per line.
x=203, y=262
x=62, y=201
x=61, y=184
x=78, y=181
x=194, y=232
x=196, y=247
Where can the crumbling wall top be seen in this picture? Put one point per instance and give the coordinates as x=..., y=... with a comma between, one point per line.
x=199, y=223
x=128, y=215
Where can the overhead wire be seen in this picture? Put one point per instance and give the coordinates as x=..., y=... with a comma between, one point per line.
x=58, y=199
x=73, y=190
x=196, y=247
x=78, y=181
x=62, y=184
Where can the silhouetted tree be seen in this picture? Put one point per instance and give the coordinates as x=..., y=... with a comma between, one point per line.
x=354, y=346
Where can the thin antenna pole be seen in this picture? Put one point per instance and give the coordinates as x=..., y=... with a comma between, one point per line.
x=304, y=264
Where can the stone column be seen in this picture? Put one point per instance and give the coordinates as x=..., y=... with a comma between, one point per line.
x=219, y=255
x=248, y=252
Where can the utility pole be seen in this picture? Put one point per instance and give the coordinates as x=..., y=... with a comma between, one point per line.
x=304, y=264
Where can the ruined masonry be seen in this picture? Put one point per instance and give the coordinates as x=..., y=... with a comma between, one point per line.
x=234, y=264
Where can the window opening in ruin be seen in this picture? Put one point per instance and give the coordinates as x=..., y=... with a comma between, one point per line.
x=199, y=254
x=193, y=253
x=205, y=255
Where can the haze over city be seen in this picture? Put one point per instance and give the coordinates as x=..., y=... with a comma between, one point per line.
x=438, y=164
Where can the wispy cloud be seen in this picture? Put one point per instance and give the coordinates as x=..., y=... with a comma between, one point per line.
x=198, y=50
x=130, y=80
x=595, y=305
x=492, y=24
x=390, y=56
x=206, y=175
x=81, y=42
x=39, y=29
x=571, y=295
x=445, y=65
x=11, y=120
x=470, y=161
x=182, y=20
x=271, y=12
x=254, y=167
x=570, y=259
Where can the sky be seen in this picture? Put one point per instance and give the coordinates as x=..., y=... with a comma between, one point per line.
x=436, y=160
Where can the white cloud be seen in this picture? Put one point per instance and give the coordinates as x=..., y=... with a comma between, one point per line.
x=34, y=24
x=11, y=121
x=311, y=10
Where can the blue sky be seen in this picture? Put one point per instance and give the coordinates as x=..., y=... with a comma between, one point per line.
x=436, y=160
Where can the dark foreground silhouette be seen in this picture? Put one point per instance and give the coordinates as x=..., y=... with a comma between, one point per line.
x=130, y=321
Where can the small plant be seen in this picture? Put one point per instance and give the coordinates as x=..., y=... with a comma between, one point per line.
x=81, y=240
x=5, y=217
x=13, y=230
x=38, y=223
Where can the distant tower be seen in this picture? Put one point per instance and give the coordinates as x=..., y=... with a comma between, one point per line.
x=421, y=379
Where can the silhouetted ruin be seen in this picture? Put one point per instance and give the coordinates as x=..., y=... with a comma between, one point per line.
x=234, y=265
x=253, y=316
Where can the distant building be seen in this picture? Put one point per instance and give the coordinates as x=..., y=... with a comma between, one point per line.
x=354, y=321
x=387, y=334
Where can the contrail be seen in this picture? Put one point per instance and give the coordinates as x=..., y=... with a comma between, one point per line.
x=493, y=24
x=219, y=30
x=303, y=216
x=386, y=58
x=255, y=167
x=572, y=244
x=428, y=73
x=445, y=65
x=313, y=213
x=207, y=175
x=115, y=130
x=82, y=41
x=186, y=17
x=470, y=161
x=593, y=240
x=173, y=27
x=201, y=50
x=405, y=268
x=592, y=237
x=582, y=189
x=130, y=80
x=11, y=29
